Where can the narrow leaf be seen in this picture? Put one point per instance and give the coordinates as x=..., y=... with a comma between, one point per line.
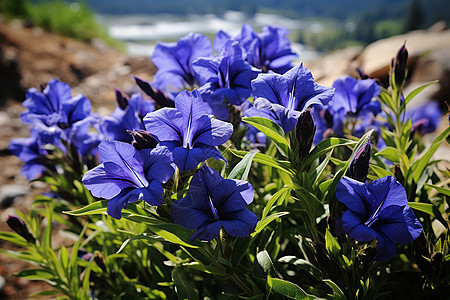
x=266, y=221
x=272, y=130
x=241, y=170
x=183, y=287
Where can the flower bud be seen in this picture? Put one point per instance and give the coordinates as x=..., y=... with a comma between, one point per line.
x=159, y=97
x=399, y=66
x=100, y=261
x=19, y=226
x=122, y=101
x=143, y=140
x=305, y=130
x=359, y=166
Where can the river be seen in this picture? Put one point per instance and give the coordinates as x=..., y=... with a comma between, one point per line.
x=140, y=33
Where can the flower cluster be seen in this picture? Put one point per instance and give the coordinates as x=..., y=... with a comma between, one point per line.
x=170, y=164
x=57, y=119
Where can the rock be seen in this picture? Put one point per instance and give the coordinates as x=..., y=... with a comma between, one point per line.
x=30, y=57
x=2, y=282
x=339, y=63
x=376, y=58
x=9, y=192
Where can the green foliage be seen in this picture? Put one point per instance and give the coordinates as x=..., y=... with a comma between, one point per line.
x=297, y=250
x=75, y=19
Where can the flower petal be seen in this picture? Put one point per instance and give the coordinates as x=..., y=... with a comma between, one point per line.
x=165, y=124
x=207, y=232
x=354, y=195
x=354, y=227
x=240, y=223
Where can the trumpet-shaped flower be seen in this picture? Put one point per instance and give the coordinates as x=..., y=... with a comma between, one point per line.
x=213, y=202
x=188, y=131
x=295, y=90
x=268, y=50
x=127, y=175
x=174, y=62
x=379, y=211
x=126, y=117
x=227, y=76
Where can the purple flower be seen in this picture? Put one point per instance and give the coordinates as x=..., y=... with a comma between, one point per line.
x=127, y=175
x=352, y=110
x=174, y=62
x=213, y=202
x=262, y=107
x=354, y=95
x=56, y=116
x=188, y=131
x=268, y=50
x=32, y=153
x=128, y=116
x=227, y=76
x=426, y=118
x=379, y=211
x=293, y=91
x=55, y=105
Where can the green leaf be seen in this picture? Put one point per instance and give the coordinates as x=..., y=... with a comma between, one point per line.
x=337, y=292
x=278, y=197
x=289, y=289
x=303, y=264
x=264, y=159
x=13, y=238
x=267, y=220
x=36, y=274
x=241, y=170
x=325, y=146
x=419, y=165
x=173, y=233
x=315, y=173
x=98, y=207
x=417, y=91
x=45, y=293
x=442, y=190
x=262, y=265
x=183, y=287
x=272, y=130
x=381, y=172
x=331, y=244
x=423, y=207
x=390, y=154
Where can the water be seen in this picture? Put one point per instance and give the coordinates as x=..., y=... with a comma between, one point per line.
x=141, y=32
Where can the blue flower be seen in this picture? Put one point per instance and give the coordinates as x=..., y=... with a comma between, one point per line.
x=268, y=50
x=227, y=76
x=55, y=105
x=352, y=110
x=174, y=62
x=213, y=202
x=355, y=96
x=128, y=116
x=188, y=131
x=56, y=115
x=32, y=153
x=379, y=211
x=426, y=118
x=262, y=107
x=127, y=175
x=295, y=90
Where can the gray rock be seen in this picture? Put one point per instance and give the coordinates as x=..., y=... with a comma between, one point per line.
x=9, y=192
